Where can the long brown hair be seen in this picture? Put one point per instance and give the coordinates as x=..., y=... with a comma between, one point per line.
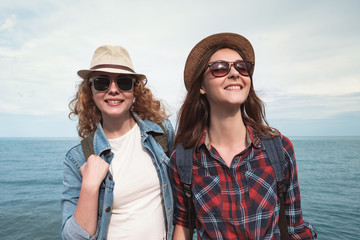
x=194, y=114
x=83, y=106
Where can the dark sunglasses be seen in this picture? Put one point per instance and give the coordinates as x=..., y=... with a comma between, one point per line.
x=102, y=83
x=222, y=68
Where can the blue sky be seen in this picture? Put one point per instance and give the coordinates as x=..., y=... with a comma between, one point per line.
x=307, y=57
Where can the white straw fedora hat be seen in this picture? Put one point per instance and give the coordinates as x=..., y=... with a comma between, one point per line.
x=112, y=59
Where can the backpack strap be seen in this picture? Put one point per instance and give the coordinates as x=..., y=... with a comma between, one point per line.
x=162, y=139
x=184, y=163
x=87, y=145
x=274, y=150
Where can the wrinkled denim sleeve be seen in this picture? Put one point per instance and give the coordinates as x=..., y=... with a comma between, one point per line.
x=72, y=180
x=73, y=231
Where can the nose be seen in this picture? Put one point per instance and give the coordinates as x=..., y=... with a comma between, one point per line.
x=113, y=88
x=234, y=74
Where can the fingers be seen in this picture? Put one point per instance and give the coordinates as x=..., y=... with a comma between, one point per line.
x=94, y=171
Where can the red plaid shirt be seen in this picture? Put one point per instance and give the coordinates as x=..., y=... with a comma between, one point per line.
x=240, y=201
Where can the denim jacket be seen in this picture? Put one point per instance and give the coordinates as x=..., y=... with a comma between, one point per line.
x=72, y=180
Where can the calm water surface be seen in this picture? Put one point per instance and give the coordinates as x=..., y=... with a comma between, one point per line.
x=31, y=182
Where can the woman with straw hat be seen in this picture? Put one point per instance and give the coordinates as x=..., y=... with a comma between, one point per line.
x=222, y=121
x=121, y=191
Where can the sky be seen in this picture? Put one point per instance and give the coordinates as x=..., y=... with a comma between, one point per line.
x=306, y=52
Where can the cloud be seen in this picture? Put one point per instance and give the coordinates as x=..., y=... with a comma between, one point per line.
x=306, y=54
x=8, y=23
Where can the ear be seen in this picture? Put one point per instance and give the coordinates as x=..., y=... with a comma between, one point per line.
x=202, y=91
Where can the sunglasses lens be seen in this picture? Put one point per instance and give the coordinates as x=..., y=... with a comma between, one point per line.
x=219, y=69
x=101, y=84
x=250, y=68
x=125, y=83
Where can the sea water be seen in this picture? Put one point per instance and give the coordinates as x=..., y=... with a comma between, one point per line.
x=31, y=183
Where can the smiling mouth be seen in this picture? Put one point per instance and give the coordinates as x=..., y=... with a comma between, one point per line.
x=233, y=88
x=114, y=101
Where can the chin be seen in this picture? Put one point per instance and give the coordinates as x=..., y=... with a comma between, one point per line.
x=236, y=101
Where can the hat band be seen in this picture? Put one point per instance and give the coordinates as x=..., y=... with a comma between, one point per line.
x=113, y=66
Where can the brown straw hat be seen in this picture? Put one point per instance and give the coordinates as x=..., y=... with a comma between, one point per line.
x=231, y=40
x=112, y=59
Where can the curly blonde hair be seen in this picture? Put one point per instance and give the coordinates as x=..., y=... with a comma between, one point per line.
x=83, y=106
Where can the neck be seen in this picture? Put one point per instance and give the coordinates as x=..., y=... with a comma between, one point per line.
x=117, y=127
x=227, y=127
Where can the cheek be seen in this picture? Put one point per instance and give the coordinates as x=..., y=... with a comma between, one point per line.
x=93, y=93
x=212, y=86
x=249, y=84
x=206, y=85
x=205, y=88
x=97, y=98
x=129, y=95
x=129, y=98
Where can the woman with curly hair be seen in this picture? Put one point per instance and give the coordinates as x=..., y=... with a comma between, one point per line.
x=121, y=191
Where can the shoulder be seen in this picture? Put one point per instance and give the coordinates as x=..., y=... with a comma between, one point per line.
x=75, y=156
x=165, y=125
x=286, y=142
x=168, y=125
x=166, y=122
x=288, y=148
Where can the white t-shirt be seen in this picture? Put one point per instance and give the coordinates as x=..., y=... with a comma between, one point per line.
x=137, y=211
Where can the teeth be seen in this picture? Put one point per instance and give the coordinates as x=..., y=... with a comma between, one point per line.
x=233, y=87
x=114, y=101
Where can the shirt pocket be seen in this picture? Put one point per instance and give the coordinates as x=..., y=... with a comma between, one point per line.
x=261, y=184
x=207, y=197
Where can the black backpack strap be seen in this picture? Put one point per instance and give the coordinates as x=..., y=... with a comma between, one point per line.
x=274, y=150
x=87, y=145
x=162, y=139
x=184, y=163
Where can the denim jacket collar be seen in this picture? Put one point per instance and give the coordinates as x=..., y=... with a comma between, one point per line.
x=101, y=144
x=146, y=126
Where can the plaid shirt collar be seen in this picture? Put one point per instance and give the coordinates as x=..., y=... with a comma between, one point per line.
x=251, y=138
